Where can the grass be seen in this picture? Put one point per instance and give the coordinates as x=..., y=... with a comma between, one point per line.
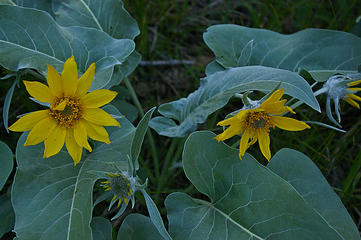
x=172, y=29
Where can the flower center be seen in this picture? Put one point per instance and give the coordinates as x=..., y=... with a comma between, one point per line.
x=259, y=120
x=69, y=114
x=120, y=186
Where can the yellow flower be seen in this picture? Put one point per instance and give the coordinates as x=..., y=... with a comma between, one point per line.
x=73, y=116
x=120, y=186
x=350, y=97
x=254, y=124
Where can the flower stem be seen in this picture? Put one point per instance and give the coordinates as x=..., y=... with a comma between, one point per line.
x=149, y=134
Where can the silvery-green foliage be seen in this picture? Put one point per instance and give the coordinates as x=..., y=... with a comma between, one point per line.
x=6, y=213
x=36, y=39
x=52, y=199
x=320, y=52
x=138, y=227
x=6, y=163
x=106, y=16
x=215, y=91
x=289, y=199
x=101, y=229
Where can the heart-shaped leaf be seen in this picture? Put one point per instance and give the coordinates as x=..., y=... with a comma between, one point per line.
x=306, y=178
x=218, y=88
x=246, y=199
x=52, y=199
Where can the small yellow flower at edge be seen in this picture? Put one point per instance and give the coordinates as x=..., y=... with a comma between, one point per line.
x=254, y=124
x=350, y=97
x=73, y=116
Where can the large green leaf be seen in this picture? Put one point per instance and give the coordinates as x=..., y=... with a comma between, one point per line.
x=6, y=214
x=52, y=199
x=311, y=49
x=138, y=227
x=6, y=163
x=108, y=16
x=30, y=38
x=101, y=229
x=307, y=179
x=247, y=200
x=218, y=88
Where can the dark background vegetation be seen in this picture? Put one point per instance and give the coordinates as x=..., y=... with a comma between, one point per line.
x=172, y=29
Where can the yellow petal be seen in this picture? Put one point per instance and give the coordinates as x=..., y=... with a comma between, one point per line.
x=98, y=98
x=354, y=97
x=85, y=81
x=115, y=197
x=99, y=116
x=69, y=77
x=120, y=201
x=28, y=121
x=232, y=130
x=41, y=131
x=97, y=132
x=354, y=83
x=264, y=142
x=39, y=91
x=60, y=107
x=55, y=141
x=354, y=89
x=80, y=135
x=289, y=124
x=276, y=96
x=352, y=102
x=54, y=81
x=244, y=143
x=73, y=148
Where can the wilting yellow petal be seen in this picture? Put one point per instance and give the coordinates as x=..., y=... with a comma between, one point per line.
x=99, y=116
x=69, y=77
x=232, y=130
x=85, y=81
x=289, y=124
x=39, y=91
x=115, y=197
x=354, y=83
x=276, y=108
x=54, y=142
x=41, y=131
x=98, y=98
x=354, y=97
x=120, y=201
x=80, y=135
x=97, y=132
x=244, y=143
x=73, y=148
x=275, y=97
x=352, y=102
x=264, y=142
x=28, y=121
x=54, y=81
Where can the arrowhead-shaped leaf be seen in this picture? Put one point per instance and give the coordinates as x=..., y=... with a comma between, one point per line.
x=311, y=49
x=246, y=199
x=218, y=88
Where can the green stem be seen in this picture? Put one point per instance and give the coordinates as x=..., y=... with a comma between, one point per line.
x=354, y=170
x=149, y=134
x=299, y=103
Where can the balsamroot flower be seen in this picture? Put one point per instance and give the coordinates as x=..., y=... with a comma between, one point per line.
x=254, y=124
x=73, y=116
x=121, y=185
x=341, y=87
